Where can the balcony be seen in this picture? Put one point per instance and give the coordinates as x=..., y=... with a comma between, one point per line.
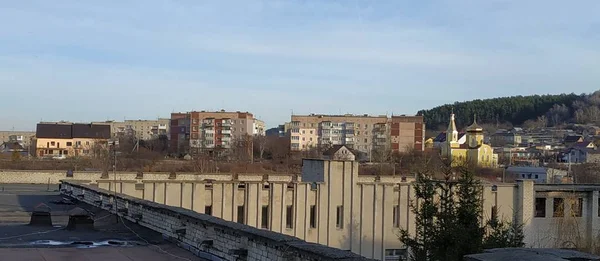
x=226, y=131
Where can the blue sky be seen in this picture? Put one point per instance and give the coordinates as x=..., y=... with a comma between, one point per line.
x=111, y=59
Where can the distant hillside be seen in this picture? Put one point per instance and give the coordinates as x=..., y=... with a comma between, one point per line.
x=530, y=111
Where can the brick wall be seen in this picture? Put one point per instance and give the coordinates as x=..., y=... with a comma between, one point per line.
x=206, y=236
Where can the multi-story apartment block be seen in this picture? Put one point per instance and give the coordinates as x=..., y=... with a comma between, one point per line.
x=314, y=130
x=65, y=139
x=141, y=129
x=407, y=133
x=193, y=132
x=360, y=132
x=259, y=128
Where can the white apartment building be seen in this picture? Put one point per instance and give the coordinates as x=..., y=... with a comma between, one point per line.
x=259, y=127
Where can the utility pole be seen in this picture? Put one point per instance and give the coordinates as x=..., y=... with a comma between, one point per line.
x=114, y=149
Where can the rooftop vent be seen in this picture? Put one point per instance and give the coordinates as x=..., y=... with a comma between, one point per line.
x=41, y=216
x=80, y=219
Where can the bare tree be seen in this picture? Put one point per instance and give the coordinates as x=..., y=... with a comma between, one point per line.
x=260, y=143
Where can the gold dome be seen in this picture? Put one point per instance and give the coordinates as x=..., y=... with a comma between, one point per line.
x=474, y=127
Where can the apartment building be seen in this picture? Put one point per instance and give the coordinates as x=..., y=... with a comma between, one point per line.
x=194, y=132
x=360, y=132
x=259, y=128
x=20, y=136
x=330, y=204
x=141, y=129
x=65, y=139
x=407, y=133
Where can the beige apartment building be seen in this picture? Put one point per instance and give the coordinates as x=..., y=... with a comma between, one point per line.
x=141, y=129
x=330, y=204
x=360, y=132
x=194, y=132
x=259, y=128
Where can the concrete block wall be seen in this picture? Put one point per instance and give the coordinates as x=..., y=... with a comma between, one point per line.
x=207, y=236
x=55, y=177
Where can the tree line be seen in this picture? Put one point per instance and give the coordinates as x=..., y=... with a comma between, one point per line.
x=528, y=111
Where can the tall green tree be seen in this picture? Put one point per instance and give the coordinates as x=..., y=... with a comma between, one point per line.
x=448, y=218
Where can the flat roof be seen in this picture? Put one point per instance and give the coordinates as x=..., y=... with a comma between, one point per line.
x=111, y=239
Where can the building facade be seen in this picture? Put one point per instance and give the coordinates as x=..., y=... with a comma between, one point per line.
x=330, y=204
x=474, y=151
x=195, y=132
x=140, y=129
x=259, y=128
x=65, y=139
x=20, y=136
x=407, y=133
x=363, y=133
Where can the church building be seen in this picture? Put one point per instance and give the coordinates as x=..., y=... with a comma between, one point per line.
x=473, y=151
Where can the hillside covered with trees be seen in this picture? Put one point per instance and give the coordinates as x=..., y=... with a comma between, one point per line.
x=527, y=111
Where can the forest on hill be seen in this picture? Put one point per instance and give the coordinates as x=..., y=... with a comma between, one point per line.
x=527, y=111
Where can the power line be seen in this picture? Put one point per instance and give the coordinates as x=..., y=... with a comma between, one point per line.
x=31, y=234
x=143, y=239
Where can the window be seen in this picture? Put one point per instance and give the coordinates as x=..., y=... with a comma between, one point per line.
x=311, y=132
x=66, y=152
x=69, y=144
x=365, y=140
x=289, y=217
x=208, y=186
x=242, y=186
x=266, y=186
x=340, y=217
x=52, y=143
x=396, y=216
x=396, y=254
x=540, y=207
x=577, y=207
x=240, y=214
x=87, y=143
x=303, y=132
x=208, y=210
x=265, y=217
x=313, y=216
x=559, y=207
